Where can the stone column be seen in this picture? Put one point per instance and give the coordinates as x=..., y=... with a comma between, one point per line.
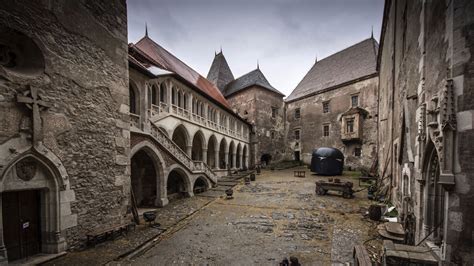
x=226, y=159
x=240, y=162
x=168, y=93
x=216, y=159
x=234, y=160
x=189, y=150
x=204, y=155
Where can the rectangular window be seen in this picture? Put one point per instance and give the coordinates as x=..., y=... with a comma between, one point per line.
x=297, y=113
x=326, y=107
x=350, y=125
x=355, y=100
x=325, y=130
x=274, y=112
x=297, y=134
x=272, y=134
x=357, y=152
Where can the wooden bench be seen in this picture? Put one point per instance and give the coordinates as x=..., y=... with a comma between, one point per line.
x=361, y=256
x=102, y=234
x=300, y=173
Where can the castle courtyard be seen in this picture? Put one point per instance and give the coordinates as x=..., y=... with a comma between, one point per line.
x=276, y=216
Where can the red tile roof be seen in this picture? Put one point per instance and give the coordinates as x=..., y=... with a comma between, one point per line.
x=161, y=58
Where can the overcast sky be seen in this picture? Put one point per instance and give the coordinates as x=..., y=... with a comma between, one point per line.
x=285, y=36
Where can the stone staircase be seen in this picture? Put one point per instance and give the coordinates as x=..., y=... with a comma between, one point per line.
x=225, y=183
x=195, y=167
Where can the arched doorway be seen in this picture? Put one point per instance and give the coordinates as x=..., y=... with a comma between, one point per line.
x=265, y=159
x=176, y=187
x=198, y=146
x=30, y=209
x=238, y=158
x=222, y=151
x=434, y=198
x=200, y=185
x=180, y=137
x=211, y=152
x=143, y=179
x=232, y=155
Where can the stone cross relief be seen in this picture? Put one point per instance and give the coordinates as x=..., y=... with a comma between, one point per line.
x=33, y=100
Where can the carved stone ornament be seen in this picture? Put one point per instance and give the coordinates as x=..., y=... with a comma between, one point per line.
x=26, y=169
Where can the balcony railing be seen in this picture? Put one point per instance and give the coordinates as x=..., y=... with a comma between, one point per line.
x=134, y=120
x=181, y=112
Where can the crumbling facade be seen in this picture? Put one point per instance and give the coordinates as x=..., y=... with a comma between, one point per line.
x=335, y=105
x=64, y=165
x=253, y=98
x=425, y=122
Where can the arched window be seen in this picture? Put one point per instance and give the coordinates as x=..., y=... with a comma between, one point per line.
x=154, y=95
x=179, y=99
x=162, y=93
x=132, y=100
x=185, y=101
x=202, y=109
x=173, y=96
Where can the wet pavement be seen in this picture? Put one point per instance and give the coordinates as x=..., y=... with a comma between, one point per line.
x=274, y=217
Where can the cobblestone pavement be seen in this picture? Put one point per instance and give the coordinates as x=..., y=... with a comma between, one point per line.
x=274, y=217
x=111, y=250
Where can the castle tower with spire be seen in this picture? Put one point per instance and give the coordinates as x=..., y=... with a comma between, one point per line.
x=220, y=73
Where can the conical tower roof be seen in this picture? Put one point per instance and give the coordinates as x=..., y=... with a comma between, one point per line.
x=220, y=73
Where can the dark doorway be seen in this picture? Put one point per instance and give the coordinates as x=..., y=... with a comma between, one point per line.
x=265, y=159
x=297, y=156
x=21, y=223
x=143, y=175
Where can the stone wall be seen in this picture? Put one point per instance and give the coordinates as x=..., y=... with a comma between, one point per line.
x=312, y=119
x=426, y=119
x=255, y=105
x=80, y=65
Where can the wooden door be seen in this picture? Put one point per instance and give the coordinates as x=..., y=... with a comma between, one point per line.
x=21, y=223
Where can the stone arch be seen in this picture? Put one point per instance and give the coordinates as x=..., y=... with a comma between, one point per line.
x=40, y=180
x=222, y=154
x=181, y=137
x=198, y=146
x=200, y=185
x=158, y=172
x=134, y=97
x=238, y=158
x=232, y=152
x=433, y=201
x=178, y=183
x=211, y=151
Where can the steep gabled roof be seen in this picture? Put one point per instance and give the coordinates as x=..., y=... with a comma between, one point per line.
x=220, y=73
x=253, y=78
x=161, y=58
x=353, y=63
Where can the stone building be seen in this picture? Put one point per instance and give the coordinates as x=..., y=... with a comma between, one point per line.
x=183, y=131
x=64, y=134
x=258, y=102
x=426, y=122
x=335, y=105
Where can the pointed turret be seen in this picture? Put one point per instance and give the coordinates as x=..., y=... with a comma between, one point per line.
x=220, y=73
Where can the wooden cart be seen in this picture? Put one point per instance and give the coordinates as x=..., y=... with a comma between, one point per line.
x=322, y=187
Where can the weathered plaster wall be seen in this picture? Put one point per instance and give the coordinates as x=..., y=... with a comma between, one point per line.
x=312, y=119
x=85, y=78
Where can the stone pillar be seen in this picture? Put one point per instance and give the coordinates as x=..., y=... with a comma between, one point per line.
x=168, y=93
x=216, y=159
x=234, y=160
x=226, y=160
x=240, y=162
x=204, y=155
x=189, y=150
